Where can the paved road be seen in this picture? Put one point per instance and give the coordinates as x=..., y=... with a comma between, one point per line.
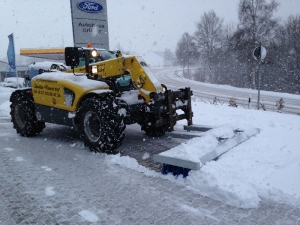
x=223, y=94
x=53, y=179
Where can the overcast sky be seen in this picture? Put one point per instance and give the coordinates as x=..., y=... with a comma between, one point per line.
x=137, y=25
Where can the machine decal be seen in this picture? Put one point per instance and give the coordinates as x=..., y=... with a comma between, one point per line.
x=47, y=93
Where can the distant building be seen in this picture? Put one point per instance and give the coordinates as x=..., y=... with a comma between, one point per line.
x=5, y=70
x=28, y=56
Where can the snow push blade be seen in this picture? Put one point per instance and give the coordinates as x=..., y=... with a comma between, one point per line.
x=205, y=145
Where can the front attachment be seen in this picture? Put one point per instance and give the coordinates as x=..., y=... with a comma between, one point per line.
x=172, y=106
x=208, y=146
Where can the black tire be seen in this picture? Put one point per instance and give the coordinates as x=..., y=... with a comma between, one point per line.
x=23, y=115
x=100, y=125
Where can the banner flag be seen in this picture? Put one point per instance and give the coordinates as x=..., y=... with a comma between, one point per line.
x=11, y=52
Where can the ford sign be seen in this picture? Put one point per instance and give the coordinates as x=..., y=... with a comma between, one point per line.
x=89, y=7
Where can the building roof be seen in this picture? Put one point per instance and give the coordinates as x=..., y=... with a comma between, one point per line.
x=45, y=53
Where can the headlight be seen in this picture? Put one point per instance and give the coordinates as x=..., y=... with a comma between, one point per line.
x=94, y=69
x=94, y=53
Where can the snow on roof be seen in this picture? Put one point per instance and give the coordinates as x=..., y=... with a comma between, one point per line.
x=45, y=65
x=78, y=79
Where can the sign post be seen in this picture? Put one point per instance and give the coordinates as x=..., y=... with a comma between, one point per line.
x=259, y=54
x=89, y=21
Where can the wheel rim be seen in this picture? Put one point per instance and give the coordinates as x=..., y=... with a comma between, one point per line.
x=92, y=126
x=20, y=115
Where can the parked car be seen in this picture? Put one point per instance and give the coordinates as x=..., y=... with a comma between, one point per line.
x=13, y=82
x=38, y=67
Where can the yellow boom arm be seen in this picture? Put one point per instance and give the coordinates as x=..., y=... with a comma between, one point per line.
x=142, y=77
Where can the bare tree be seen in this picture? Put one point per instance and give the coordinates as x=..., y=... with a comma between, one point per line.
x=209, y=36
x=256, y=25
x=186, y=51
x=288, y=45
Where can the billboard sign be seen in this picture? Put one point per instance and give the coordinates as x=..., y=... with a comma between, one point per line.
x=89, y=21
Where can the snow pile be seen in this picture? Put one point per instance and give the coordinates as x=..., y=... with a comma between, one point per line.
x=46, y=168
x=49, y=191
x=265, y=166
x=88, y=216
x=5, y=93
x=212, y=144
x=255, y=168
x=128, y=162
x=19, y=159
x=5, y=109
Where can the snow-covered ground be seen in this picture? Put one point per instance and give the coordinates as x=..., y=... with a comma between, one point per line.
x=266, y=166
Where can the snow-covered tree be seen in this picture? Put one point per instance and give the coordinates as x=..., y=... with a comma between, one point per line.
x=256, y=24
x=288, y=46
x=186, y=51
x=209, y=36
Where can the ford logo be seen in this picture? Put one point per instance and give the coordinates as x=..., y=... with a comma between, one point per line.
x=89, y=7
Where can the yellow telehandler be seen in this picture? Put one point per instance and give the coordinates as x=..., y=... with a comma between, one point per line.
x=101, y=93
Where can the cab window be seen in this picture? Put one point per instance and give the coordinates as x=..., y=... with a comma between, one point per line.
x=124, y=83
x=103, y=55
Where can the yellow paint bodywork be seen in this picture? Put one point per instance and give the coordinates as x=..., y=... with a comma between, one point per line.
x=50, y=92
x=48, y=88
x=142, y=76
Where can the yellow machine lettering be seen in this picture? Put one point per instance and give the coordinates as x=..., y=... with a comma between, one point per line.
x=60, y=94
x=48, y=93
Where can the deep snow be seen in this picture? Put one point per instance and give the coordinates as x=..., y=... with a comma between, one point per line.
x=265, y=166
